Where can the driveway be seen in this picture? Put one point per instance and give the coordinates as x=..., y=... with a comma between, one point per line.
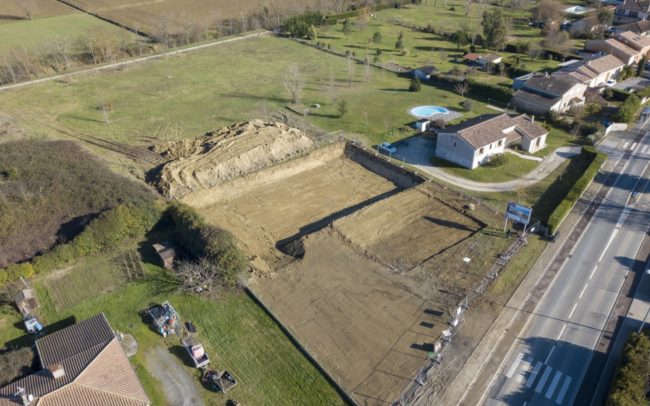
x=636, y=83
x=417, y=151
x=179, y=386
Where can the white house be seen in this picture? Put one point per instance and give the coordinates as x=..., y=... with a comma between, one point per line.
x=593, y=72
x=542, y=94
x=473, y=142
x=632, y=10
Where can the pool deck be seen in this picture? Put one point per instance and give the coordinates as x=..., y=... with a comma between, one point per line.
x=451, y=115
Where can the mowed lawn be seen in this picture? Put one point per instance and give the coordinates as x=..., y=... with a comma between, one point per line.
x=512, y=168
x=238, y=335
x=187, y=95
x=12, y=10
x=37, y=34
x=427, y=49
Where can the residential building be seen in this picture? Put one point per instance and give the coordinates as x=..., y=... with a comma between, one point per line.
x=475, y=141
x=632, y=10
x=626, y=46
x=424, y=72
x=542, y=94
x=593, y=72
x=641, y=28
x=83, y=364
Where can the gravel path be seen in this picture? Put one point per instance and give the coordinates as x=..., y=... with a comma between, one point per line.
x=417, y=151
x=179, y=386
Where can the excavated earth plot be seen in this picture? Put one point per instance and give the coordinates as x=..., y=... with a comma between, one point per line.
x=350, y=252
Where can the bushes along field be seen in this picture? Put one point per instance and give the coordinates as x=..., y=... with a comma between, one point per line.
x=565, y=206
x=631, y=379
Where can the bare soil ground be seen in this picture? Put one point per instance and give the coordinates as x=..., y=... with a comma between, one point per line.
x=11, y=10
x=379, y=269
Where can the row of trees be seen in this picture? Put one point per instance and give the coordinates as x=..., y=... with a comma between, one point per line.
x=631, y=380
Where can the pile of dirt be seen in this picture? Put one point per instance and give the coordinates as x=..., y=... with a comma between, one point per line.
x=226, y=154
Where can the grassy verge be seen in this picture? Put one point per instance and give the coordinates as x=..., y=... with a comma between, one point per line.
x=512, y=168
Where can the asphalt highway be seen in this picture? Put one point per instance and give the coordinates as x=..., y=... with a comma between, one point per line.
x=547, y=363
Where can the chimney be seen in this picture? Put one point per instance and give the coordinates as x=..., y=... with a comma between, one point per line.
x=532, y=118
x=545, y=74
x=57, y=371
x=24, y=397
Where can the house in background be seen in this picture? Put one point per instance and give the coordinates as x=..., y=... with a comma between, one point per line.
x=626, y=46
x=475, y=141
x=641, y=28
x=483, y=61
x=631, y=11
x=542, y=94
x=83, y=364
x=593, y=72
x=424, y=72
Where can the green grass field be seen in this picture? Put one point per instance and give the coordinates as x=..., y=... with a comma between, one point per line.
x=427, y=49
x=37, y=34
x=187, y=95
x=237, y=333
x=512, y=168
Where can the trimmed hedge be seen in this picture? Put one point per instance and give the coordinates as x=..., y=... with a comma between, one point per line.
x=476, y=88
x=562, y=210
x=107, y=232
x=628, y=387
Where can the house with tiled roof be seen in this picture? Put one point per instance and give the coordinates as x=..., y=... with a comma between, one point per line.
x=626, y=46
x=475, y=141
x=641, y=28
x=632, y=10
x=542, y=94
x=83, y=364
x=593, y=72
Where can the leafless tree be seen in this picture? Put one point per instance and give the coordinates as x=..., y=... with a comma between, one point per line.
x=60, y=50
x=28, y=8
x=548, y=11
x=105, y=107
x=367, y=68
x=351, y=69
x=294, y=83
x=162, y=30
x=461, y=88
x=199, y=277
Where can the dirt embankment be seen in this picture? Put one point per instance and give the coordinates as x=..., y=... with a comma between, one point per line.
x=226, y=154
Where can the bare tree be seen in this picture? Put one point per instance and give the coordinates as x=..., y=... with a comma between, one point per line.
x=60, y=49
x=461, y=88
x=367, y=69
x=162, y=30
x=105, y=107
x=28, y=8
x=351, y=69
x=294, y=83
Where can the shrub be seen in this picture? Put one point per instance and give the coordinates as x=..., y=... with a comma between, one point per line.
x=559, y=214
x=299, y=26
x=467, y=105
x=477, y=87
x=628, y=110
x=496, y=161
x=629, y=385
x=415, y=85
x=376, y=37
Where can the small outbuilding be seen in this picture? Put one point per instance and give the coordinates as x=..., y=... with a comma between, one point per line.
x=26, y=301
x=166, y=253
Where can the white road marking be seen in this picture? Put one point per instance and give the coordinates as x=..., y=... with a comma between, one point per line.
x=554, y=382
x=634, y=146
x=611, y=238
x=573, y=309
x=624, y=215
x=526, y=367
x=549, y=355
x=542, y=382
x=627, y=144
x=533, y=375
x=565, y=387
x=561, y=331
x=645, y=149
x=593, y=272
x=514, y=365
x=583, y=291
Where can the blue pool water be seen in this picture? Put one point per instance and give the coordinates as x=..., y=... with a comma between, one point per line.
x=427, y=111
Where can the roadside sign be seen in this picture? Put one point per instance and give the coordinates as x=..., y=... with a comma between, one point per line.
x=518, y=213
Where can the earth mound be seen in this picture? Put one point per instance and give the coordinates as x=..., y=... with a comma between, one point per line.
x=226, y=154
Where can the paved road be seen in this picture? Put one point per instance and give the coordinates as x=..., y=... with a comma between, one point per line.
x=417, y=152
x=547, y=363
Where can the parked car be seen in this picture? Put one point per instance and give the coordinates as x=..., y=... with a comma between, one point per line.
x=610, y=83
x=32, y=325
x=387, y=148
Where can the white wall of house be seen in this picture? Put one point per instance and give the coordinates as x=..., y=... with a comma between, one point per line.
x=577, y=91
x=533, y=146
x=451, y=147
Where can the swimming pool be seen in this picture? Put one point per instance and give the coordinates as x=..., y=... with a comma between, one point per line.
x=427, y=111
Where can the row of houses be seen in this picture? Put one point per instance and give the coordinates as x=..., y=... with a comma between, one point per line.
x=541, y=93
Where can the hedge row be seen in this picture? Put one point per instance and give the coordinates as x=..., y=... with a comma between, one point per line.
x=107, y=232
x=565, y=206
x=476, y=88
x=629, y=385
x=202, y=240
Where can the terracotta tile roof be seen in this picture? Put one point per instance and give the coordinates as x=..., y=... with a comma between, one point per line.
x=637, y=27
x=96, y=370
x=633, y=40
x=615, y=43
x=553, y=86
x=635, y=5
x=485, y=130
x=604, y=64
x=586, y=70
x=471, y=56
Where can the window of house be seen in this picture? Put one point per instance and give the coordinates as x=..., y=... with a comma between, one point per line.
x=481, y=151
x=500, y=143
x=634, y=14
x=454, y=144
